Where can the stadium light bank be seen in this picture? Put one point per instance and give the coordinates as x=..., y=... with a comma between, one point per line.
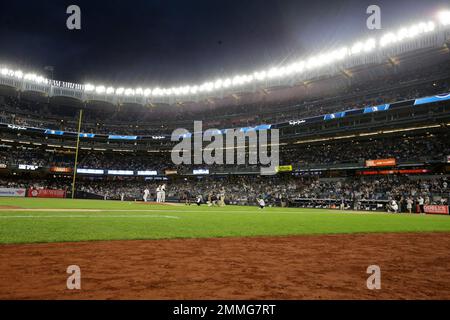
x=311, y=63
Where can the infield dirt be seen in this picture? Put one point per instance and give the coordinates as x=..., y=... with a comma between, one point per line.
x=413, y=266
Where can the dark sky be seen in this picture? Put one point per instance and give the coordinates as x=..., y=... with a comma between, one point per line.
x=174, y=42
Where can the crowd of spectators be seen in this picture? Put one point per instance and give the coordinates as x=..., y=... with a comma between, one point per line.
x=421, y=148
x=402, y=148
x=276, y=190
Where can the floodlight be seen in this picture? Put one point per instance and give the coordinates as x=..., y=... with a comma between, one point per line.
x=110, y=90
x=444, y=17
x=120, y=91
x=100, y=89
x=147, y=92
x=209, y=86
x=369, y=45
x=218, y=84
x=388, y=39
x=194, y=89
x=30, y=76
x=157, y=92
x=129, y=92
x=357, y=48
x=185, y=90
x=40, y=79
x=341, y=53
x=260, y=75
x=227, y=83
x=88, y=87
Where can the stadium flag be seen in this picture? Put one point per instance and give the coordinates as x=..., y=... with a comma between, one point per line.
x=286, y=168
x=381, y=162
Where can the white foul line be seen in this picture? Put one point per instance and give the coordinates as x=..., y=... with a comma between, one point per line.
x=89, y=216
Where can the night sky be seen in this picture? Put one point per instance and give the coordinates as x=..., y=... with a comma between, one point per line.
x=175, y=42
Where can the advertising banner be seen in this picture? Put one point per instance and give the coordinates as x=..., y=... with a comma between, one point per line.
x=60, y=170
x=200, y=171
x=435, y=209
x=46, y=193
x=381, y=162
x=287, y=168
x=12, y=192
x=401, y=171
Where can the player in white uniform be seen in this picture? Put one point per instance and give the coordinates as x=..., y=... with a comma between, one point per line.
x=163, y=193
x=262, y=203
x=199, y=200
x=395, y=206
x=146, y=193
x=409, y=204
x=158, y=194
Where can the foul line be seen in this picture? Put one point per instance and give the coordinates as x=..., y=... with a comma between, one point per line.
x=89, y=216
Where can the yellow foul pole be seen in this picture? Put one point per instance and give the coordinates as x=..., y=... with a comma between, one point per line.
x=76, y=154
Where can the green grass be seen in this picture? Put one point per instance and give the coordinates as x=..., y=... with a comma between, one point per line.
x=129, y=220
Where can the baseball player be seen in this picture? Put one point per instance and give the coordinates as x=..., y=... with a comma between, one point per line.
x=146, y=193
x=262, y=203
x=163, y=193
x=158, y=194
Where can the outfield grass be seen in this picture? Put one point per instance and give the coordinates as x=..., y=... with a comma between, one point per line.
x=66, y=220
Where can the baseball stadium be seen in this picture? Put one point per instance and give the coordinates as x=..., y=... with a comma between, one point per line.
x=289, y=182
